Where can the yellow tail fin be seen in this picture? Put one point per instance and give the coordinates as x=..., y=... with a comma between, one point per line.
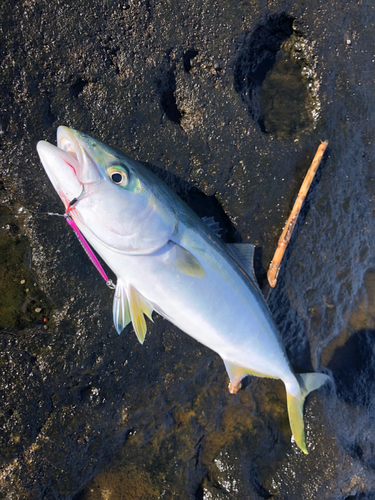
x=307, y=382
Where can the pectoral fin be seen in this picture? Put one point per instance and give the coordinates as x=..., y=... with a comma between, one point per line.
x=186, y=263
x=120, y=310
x=139, y=306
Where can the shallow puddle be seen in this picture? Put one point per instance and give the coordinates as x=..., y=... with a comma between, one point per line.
x=274, y=74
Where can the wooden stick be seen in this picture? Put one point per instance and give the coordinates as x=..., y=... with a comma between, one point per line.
x=284, y=239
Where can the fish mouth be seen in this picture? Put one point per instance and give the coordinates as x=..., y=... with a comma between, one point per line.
x=69, y=140
x=68, y=165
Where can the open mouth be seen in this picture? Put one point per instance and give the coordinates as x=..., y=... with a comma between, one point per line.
x=66, y=142
x=68, y=166
x=86, y=168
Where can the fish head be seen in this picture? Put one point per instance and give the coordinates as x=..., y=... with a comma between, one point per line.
x=112, y=198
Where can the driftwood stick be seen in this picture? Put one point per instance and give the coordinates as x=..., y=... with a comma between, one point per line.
x=284, y=239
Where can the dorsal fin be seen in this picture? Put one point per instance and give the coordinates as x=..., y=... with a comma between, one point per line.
x=243, y=253
x=120, y=310
x=213, y=225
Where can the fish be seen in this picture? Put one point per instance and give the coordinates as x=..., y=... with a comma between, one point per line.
x=168, y=260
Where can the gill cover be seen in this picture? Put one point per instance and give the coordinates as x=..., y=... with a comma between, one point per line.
x=121, y=209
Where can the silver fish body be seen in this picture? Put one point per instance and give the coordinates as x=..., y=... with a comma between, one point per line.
x=168, y=260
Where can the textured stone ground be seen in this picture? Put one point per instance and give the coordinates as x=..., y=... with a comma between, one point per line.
x=227, y=102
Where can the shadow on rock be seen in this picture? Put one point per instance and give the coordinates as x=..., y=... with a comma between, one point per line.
x=292, y=331
x=353, y=368
x=200, y=203
x=362, y=496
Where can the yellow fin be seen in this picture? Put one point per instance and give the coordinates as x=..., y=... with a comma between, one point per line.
x=237, y=372
x=295, y=413
x=186, y=263
x=139, y=306
x=307, y=382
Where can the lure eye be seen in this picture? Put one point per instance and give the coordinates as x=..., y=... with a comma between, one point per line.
x=118, y=176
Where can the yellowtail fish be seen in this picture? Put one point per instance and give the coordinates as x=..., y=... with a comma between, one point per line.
x=168, y=260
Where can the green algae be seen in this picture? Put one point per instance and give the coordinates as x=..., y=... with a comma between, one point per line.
x=124, y=483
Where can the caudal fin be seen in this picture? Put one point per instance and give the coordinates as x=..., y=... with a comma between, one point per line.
x=307, y=382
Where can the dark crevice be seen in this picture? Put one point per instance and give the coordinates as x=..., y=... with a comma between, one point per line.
x=198, y=448
x=258, y=487
x=352, y=368
x=167, y=86
x=80, y=495
x=187, y=57
x=112, y=56
x=48, y=118
x=365, y=495
x=77, y=87
x=355, y=451
x=199, y=494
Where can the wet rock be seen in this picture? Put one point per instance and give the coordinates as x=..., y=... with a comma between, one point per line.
x=23, y=303
x=275, y=76
x=227, y=103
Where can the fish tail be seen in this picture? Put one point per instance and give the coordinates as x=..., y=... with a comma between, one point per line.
x=296, y=396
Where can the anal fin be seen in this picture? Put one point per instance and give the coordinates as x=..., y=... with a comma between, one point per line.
x=237, y=372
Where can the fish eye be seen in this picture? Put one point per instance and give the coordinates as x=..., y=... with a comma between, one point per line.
x=118, y=175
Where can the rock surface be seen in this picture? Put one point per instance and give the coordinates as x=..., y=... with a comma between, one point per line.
x=227, y=102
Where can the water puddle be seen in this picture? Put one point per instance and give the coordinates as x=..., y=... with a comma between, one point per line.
x=275, y=76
